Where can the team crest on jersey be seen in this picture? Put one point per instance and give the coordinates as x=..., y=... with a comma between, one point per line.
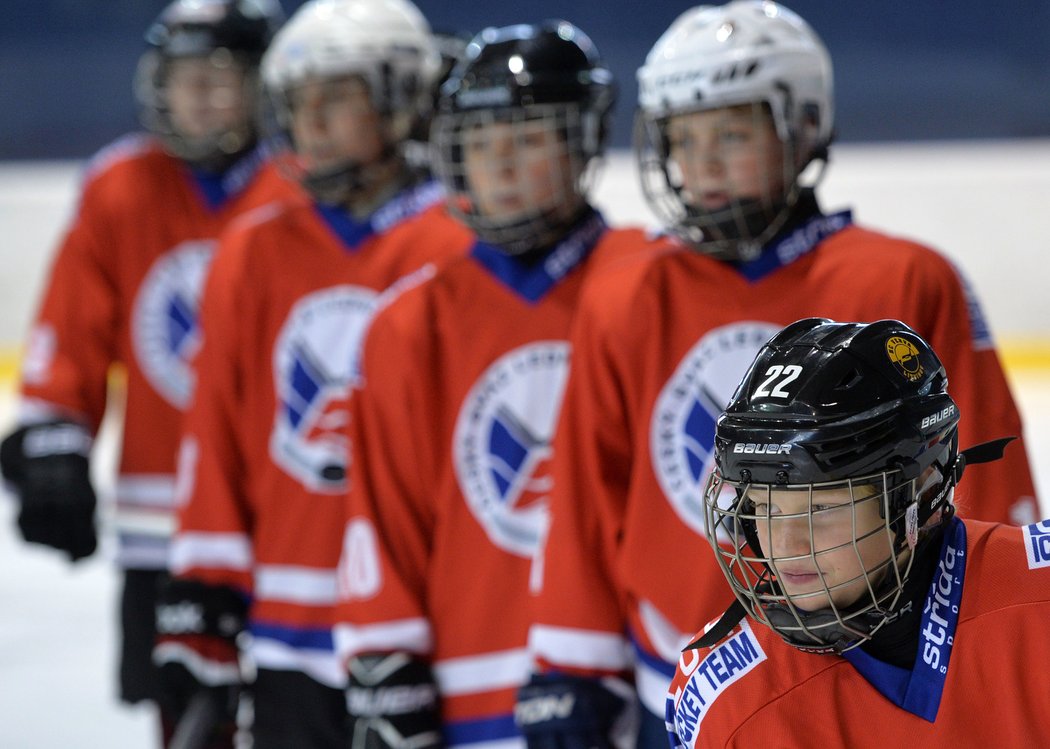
x=501, y=446
x=164, y=326
x=682, y=432
x=316, y=361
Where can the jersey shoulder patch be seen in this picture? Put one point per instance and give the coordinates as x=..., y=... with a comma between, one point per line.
x=705, y=674
x=1037, y=544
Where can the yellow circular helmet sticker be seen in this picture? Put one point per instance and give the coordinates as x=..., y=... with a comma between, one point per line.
x=905, y=356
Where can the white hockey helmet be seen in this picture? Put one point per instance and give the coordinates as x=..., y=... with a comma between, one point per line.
x=743, y=52
x=387, y=43
x=738, y=53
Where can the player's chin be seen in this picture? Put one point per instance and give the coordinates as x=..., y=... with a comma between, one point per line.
x=810, y=602
x=807, y=595
x=712, y=201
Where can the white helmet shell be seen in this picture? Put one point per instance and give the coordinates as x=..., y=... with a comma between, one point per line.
x=386, y=42
x=743, y=51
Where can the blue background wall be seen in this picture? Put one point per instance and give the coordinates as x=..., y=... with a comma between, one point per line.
x=904, y=70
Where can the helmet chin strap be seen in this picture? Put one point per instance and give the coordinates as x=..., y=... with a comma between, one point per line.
x=919, y=512
x=984, y=452
x=717, y=631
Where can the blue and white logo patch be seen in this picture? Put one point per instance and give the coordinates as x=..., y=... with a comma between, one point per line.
x=501, y=446
x=316, y=362
x=165, y=329
x=682, y=432
x=1037, y=544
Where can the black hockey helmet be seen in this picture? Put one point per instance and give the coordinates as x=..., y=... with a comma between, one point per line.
x=841, y=400
x=225, y=31
x=862, y=409
x=519, y=66
x=196, y=28
x=526, y=72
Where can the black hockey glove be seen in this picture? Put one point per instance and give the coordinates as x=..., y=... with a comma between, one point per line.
x=47, y=465
x=393, y=703
x=196, y=655
x=558, y=711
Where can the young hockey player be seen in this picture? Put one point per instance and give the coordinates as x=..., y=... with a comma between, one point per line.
x=735, y=117
x=123, y=292
x=263, y=460
x=839, y=454
x=462, y=379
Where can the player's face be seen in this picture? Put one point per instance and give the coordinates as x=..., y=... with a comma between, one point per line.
x=334, y=121
x=825, y=540
x=726, y=154
x=515, y=169
x=207, y=95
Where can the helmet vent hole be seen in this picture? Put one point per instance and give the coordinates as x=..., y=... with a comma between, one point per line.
x=849, y=379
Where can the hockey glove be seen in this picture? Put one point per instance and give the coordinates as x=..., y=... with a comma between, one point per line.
x=47, y=465
x=393, y=703
x=558, y=711
x=196, y=650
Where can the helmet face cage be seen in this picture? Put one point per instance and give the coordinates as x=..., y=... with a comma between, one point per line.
x=739, y=225
x=216, y=149
x=517, y=176
x=230, y=36
x=347, y=179
x=855, y=551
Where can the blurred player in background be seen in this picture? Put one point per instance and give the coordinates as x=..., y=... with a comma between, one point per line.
x=462, y=379
x=124, y=291
x=846, y=544
x=734, y=125
x=264, y=458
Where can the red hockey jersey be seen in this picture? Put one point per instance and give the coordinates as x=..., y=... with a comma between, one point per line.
x=977, y=678
x=263, y=461
x=660, y=347
x=124, y=290
x=462, y=385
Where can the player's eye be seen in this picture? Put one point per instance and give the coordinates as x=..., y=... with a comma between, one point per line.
x=735, y=136
x=762, y=510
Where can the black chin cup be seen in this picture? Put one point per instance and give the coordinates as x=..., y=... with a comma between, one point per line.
x=347, y=181
x=738, y=231
x=822, y=631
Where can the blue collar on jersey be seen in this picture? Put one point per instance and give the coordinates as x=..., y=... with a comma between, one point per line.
x=404, y=205
x=533, y=280
x=786, y=248
x=219, y=188
x=919, y=690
